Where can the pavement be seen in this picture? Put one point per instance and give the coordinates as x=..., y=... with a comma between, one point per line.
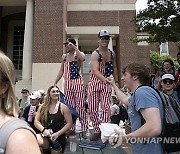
x=125, y=148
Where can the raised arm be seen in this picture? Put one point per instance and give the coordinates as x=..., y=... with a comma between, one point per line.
x=123, y=98
x=80, y=55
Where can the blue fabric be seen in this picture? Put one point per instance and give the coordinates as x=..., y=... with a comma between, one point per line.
x=92, y=145
x=74, y=114
x=74, y=70
x=108, y=68
x=144, y=97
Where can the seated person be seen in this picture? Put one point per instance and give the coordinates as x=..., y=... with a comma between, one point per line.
x=118, y=111
x=115, y=110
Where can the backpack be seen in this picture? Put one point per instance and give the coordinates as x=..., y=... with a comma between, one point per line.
x=170, y=133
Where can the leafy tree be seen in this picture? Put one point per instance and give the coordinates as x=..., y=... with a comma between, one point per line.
x=161, y=19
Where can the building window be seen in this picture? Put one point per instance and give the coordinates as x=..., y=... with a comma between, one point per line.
x=18, y=46
x=86, y=63
x=164, y=48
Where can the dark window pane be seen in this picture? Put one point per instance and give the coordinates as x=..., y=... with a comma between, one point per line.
x=18, y=46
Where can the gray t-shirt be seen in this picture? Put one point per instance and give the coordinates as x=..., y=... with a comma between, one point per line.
x=144, y=97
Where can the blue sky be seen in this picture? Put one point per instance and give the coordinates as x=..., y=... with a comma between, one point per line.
x=141, y=4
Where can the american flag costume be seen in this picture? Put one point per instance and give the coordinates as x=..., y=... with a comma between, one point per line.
x=99, y=93
x=74, y=90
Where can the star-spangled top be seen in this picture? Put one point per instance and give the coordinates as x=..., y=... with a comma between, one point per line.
x=74, y=70
x=108, y=69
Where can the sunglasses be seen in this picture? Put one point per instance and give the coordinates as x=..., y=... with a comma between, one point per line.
x=104, y=38
x=24, y=92
x=55, y=91
x=168, y=81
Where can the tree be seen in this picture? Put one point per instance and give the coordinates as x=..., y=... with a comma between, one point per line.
x=161, y=19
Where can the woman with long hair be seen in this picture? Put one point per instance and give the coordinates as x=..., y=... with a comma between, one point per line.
x=53, y=119
x=16, y=136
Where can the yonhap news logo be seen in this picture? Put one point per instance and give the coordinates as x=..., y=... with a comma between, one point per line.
x=165, y=140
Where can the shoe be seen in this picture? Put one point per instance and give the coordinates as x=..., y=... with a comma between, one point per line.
x=70, y=132
x=95, y=137
x=84, y=135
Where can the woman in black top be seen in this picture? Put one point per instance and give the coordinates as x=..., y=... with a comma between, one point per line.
x=53, y=119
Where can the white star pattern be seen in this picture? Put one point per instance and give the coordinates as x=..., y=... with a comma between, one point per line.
x=74, y=70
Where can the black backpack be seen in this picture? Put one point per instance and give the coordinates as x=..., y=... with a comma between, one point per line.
x=170, y=133
x=171, y=126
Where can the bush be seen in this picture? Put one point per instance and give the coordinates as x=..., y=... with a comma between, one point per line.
x=156, y=60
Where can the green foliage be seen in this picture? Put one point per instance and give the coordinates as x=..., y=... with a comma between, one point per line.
x=161, y=20
x=156, y=59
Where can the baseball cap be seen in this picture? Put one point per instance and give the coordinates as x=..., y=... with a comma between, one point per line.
x=168, y=76
x=24, y=90
x=35, y=95
x=103, y=33
x=70, y=40
x=41, y=92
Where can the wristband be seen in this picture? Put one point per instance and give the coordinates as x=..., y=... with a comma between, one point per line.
x=43, y=130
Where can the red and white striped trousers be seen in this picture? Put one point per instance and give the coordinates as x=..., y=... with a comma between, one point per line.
x=99, y=93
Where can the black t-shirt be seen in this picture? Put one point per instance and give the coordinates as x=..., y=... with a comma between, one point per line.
x=25, y=115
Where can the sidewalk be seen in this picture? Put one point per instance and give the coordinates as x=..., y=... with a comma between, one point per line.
x=123, y=149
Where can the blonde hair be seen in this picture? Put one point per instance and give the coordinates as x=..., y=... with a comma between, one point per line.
x=45, y=107
x=7, y=74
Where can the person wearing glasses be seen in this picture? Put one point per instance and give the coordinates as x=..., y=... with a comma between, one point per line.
x=53, y=119
x=103, y=65
x=74, y=83
x=168, y=86
x=24, y=101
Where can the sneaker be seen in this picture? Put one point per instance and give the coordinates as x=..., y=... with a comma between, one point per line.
x=95, y=137
x=84, y=135
x=70, y=132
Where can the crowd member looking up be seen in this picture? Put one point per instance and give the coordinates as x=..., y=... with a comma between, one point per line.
x=145, y=102
x=168, y=86
x=18, y=137
x=31, y=110
x=24, y=101
x=103, y=64
x=168, y=67
x=73, y=82
x=53, y=119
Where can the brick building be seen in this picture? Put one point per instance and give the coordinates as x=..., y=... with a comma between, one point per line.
x=32, y=33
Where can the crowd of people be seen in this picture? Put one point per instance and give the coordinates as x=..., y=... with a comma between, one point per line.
x=50, y=120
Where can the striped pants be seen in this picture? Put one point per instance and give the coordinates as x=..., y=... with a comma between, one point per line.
x=99, y=93
x=77, y=101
